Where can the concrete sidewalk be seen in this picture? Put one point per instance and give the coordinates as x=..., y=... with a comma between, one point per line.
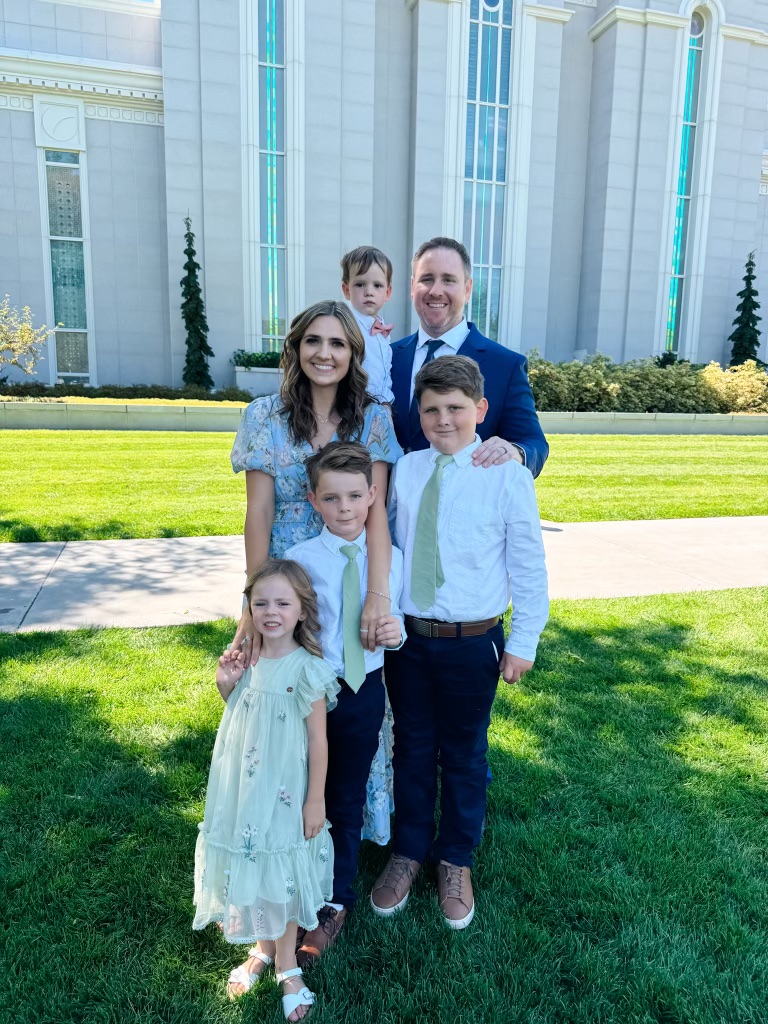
x=195, y=579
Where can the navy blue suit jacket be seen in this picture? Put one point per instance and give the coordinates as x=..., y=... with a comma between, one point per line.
x=511, y=410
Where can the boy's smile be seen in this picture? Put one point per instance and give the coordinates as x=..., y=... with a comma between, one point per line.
x=343, y=500
x=449, y=420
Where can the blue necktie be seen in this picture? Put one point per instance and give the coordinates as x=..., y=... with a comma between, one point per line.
x=414, y=422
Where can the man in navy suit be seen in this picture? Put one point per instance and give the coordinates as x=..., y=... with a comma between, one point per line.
x=440, y=288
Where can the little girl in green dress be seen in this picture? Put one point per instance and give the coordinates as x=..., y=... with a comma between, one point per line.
x=264, y=856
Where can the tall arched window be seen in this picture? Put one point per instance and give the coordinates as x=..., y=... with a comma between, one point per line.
x=272, y=171
x=485, y=170
x=685, y=176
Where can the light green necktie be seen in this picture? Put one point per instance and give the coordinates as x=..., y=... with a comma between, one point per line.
x=354, y=658
x=426, y=567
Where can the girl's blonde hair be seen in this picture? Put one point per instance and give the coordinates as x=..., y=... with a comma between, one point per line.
x=352, y=399
x=308, y=628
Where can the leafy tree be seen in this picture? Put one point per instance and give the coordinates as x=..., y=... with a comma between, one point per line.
x=746, y=337
x=20, y=342
x=196, y=372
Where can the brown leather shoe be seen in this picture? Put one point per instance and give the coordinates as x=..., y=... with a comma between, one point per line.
x=455, y=896
x=330, y=921
x=393, y=886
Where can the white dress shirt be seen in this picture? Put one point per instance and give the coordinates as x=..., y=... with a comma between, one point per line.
x=378, y=359
x=322, y=558
x=489, y=535
x=452, y=341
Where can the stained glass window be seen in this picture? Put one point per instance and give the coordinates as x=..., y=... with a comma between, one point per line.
x=685, y=176
x=485, y=156
x=272, y=171
x=65, y=228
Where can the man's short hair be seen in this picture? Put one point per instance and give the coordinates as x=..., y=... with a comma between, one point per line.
x=341, y=457
x=450, y=373
x=361, y=259
x=443, y=242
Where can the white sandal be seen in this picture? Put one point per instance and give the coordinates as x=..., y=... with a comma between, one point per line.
x=239, y=976
x=294, y=1000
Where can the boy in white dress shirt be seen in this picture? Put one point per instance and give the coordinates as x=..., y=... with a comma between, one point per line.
x=471, y=541
x=366, y=283
x=341, y=490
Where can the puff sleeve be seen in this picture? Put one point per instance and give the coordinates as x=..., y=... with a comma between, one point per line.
x=316, y=680
x=379, y=434
x=254, y=446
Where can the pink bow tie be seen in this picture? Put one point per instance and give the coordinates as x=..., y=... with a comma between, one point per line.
x=379, y=327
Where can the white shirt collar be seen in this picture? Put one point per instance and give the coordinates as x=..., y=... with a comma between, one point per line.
x=453, y=338
x=365, y=321
x=462, y=458
x=335, y=544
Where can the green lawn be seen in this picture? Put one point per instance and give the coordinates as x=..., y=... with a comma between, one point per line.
x=82, y=485
x=623, y=877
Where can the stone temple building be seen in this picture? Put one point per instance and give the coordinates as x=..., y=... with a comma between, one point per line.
x=606, y=165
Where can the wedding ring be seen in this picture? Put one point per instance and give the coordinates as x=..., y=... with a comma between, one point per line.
x=364, y=630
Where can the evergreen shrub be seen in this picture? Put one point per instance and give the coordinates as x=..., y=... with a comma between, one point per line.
x=249, y=360
x=38, y=390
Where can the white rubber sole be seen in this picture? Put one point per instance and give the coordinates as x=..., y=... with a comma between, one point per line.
x=389, y=911
x=458, y=925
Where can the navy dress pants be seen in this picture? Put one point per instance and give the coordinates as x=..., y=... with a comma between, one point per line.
x=441, y=690
x=353, y=738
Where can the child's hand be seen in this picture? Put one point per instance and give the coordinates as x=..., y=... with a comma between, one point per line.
x=229, y=671
x=513, y=668
x=314, y=817
x=388, y=632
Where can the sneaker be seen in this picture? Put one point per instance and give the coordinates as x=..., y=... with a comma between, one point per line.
x=455, y=896
x=330, y=921
x=393, y=886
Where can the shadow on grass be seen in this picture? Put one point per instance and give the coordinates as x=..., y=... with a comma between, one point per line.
x=20, y=531
x=623, y=877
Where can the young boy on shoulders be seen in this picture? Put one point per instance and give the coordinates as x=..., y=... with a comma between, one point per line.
x=341, y=490
x=366, y=283
x=471, y=541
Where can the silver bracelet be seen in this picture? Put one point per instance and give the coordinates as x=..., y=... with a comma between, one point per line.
x=379, y=594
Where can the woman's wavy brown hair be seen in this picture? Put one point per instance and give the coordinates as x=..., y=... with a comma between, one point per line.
x=352, y=399
x=307, y=629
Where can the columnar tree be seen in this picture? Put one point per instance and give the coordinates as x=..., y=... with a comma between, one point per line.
x=196, y=372
x=746, y=337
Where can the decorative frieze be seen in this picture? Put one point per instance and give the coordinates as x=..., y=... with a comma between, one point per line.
x=583, y=3
x=137, y=115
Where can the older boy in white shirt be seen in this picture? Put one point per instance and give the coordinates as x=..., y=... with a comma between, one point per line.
x=341, y=490
x=471, y=541
x=366, y=283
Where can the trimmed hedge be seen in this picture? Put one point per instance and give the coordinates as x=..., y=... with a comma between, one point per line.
x=37, y=390
x=599, y=385
x=249, y=360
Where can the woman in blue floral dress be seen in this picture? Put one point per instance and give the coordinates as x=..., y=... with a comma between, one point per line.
x=323, y=398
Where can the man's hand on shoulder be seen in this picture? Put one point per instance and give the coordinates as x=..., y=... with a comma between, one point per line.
x=495, y=452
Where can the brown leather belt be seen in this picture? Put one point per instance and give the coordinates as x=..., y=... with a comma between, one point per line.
x=433, y=627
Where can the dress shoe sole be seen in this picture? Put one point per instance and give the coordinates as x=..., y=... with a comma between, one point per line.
x=389, y=911
x=462, y=922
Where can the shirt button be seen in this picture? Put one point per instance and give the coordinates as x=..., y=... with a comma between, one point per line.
x=289, y=690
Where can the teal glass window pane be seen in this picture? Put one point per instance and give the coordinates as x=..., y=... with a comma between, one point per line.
x=272, y=199
x=493, y=305
x=490, y=37
x=498, y=224
x=472, y=77
x=506, y=64
x=474, y=9
x=686, y=160
x=491, y=4
x=64, y=214
x=468, y=202
x=491, y=17
x=469, y=155
x=485, y=137
x=673, y=314
x=480, y=298
x=68, y=272
x=483, y=206
x=272, y=109
x=54, y=156
x=71, y=352
x=690, y=108
x=679, y=239
x=501, y=145
x=271, y=32
x=507, y=13
x=273, y=303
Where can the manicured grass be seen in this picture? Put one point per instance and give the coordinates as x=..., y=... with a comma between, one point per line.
x=623, y=878
x=83, y=485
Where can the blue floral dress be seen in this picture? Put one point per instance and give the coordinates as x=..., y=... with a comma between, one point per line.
x=264, y=443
